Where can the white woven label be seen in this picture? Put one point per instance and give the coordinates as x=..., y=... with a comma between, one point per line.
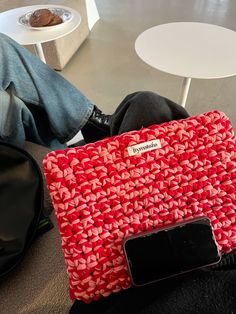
x=143, y=147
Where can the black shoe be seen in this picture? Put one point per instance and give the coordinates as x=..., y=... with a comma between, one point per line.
x=97, y=126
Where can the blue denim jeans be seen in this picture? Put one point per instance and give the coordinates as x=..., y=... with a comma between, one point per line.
x=37, y=103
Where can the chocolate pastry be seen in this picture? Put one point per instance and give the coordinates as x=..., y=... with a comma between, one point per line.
x=40, y=18
x=44, y=17
x=56, y=19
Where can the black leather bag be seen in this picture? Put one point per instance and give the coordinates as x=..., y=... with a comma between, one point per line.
x=21, y=204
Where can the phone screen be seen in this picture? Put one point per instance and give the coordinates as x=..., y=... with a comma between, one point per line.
x=174, y=250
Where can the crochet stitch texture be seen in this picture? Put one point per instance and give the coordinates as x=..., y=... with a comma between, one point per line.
x=101, y=195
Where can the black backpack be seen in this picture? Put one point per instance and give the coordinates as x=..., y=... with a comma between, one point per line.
x=21, y=205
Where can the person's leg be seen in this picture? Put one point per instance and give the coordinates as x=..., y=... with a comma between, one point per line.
x=33, y=83
x=142, y=109
x=17, y=123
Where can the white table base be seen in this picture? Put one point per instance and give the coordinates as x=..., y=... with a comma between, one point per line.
x=184, y=91
x=39, y=51
x=92, y=13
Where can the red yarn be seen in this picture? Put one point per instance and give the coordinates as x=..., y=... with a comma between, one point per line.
x=102, y=195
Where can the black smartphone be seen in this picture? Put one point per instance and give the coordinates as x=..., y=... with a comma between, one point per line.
x=172, y=250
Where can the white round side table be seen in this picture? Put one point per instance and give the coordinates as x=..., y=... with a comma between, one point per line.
x=10, y=26
x=190, y=50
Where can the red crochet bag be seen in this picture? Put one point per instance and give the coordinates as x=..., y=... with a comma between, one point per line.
x=108, y=190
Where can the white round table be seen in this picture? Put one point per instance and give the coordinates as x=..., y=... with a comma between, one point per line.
x=10, y=26
x=190, y=50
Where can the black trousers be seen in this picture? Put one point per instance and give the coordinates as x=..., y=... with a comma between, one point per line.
x=142, y=109
x=208, y=291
